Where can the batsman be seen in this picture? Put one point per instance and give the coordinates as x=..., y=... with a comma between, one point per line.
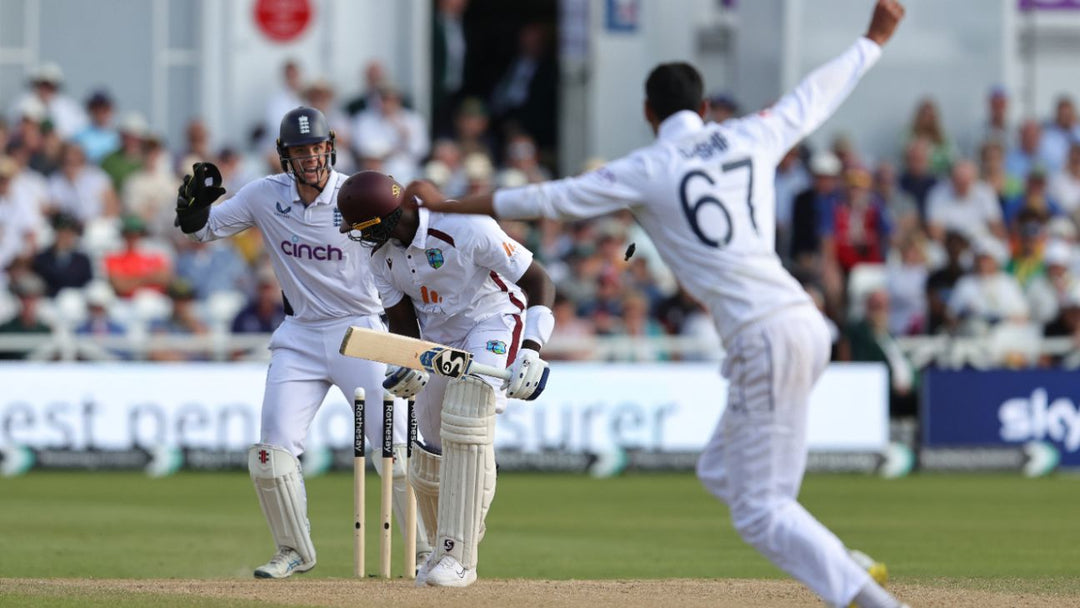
x=463, y=282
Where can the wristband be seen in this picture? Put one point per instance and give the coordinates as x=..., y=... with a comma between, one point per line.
x=539, y=323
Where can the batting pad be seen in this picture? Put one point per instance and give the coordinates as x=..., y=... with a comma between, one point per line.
x=401, y=480
x=468, y=433
x=424, y=476
x=278, y=483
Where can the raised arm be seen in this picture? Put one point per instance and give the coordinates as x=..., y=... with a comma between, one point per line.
x=817, y=97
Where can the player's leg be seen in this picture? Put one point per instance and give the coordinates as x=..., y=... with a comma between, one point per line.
x=426, y=465
x=468, y=429
x=294, y=390
x=348, y=373
x=757, y=456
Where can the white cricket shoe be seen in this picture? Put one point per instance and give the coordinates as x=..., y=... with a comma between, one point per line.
x=450, y=573
x=427, y=562
x=284, y=563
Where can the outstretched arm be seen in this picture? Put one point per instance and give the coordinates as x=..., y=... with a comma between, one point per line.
x=434, y=200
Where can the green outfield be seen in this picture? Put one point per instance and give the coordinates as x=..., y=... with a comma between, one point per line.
x=977, y=532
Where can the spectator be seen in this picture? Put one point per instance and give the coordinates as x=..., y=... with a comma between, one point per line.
x=375, y=78
x=996, y=128
x=64, y=113
x=1059, y=135
x=129, y=157
x=320, y=95
x=98, y=324
x=265, y=311
x=809, y=207
x=1066, y=324
x=869, y=339
x=963, y=203
x=940, y=283
x=1028, y=243
x=1026, y=154
x=722, y=107
x=81, y=189
x=29, y=189
x=471, y=124
x=988, y=296
x=212, y=268
x=992, y=171
x=100, y=138
x=197, y=145
x=445, y=167
x=1065, y=184
x=1034, y=198
x=16, y=224
x=906, y=276
x=523, y=160
x=63, y=264
x=402, y=132
x=288, y=96
x=917, y=179
x=1049, y=292
x=29, y=289
x=900, y=206
x=926, y=125
x=525, y=97
x=136, y=267
x=150, y=192
x=854, y=228
x=636, y=323
x=448, y=51
x=184, y=321
x=791, y=179
x=571, y=340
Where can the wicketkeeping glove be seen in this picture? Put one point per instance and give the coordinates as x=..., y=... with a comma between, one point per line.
x=195, y=196
x=404, y=382
x=529, y=374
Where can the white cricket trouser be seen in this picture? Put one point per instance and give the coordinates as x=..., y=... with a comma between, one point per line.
x=483, y=341
x=756, y=458
x=304, y=363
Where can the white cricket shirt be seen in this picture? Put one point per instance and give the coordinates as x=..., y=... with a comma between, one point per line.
x=458, y=271
x=323, y=274
x=704, y=194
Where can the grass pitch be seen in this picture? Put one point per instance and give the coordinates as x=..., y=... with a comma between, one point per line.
x=957, y=533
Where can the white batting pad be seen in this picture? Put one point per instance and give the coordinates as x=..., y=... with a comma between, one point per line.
x=424, y=477
x=280, y=487
x=468, y=432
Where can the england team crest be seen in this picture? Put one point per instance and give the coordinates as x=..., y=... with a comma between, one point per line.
x=435, y=257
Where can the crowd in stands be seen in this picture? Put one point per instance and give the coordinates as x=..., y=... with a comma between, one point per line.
x=937, y=240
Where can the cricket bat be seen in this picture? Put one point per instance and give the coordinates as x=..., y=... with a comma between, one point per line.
x=432, y=357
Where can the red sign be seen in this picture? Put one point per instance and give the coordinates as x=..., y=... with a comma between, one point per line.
x=282, y=20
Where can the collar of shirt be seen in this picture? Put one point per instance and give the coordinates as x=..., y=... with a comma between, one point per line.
x=325, y=197
x=678, y=124
x=420, y=239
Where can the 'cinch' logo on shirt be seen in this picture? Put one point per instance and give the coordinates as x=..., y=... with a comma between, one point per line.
x=295, y=249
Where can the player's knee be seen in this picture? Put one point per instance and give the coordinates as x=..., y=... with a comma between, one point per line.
x=753, y=521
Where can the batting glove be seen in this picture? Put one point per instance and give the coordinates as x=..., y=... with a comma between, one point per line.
x=529, y=374
x=404, y=382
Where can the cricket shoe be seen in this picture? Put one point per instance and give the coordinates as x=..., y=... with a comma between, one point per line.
x=874, y=568
x=284, y=563
x=427, y=562
x=450, y=573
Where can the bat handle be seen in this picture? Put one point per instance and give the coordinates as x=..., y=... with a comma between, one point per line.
x=501, y=373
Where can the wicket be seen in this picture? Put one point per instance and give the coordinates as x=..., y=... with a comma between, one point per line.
x=386, y=503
